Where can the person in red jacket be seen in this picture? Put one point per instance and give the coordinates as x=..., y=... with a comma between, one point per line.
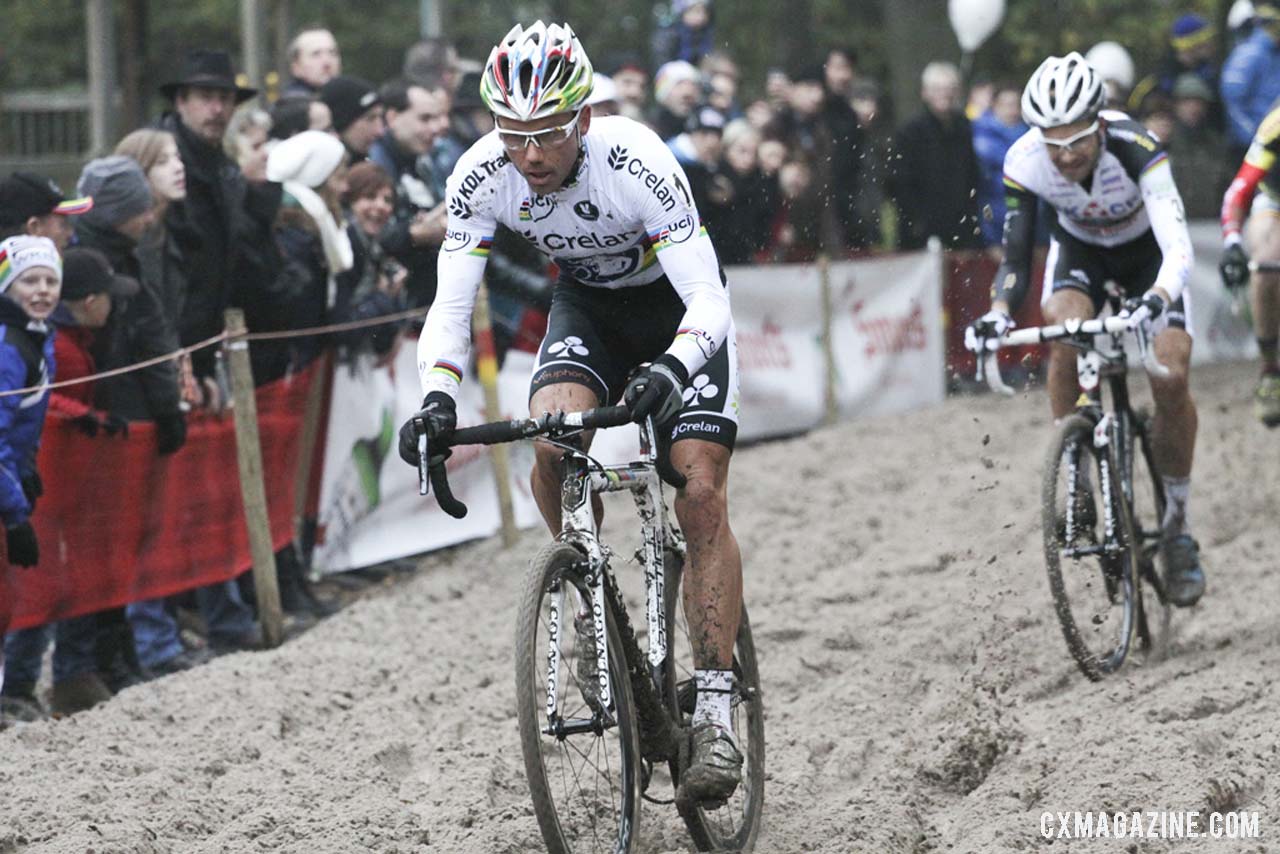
x=88, y=288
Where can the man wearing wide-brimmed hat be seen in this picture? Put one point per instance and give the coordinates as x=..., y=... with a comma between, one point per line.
x=223, y=225
x=206, y=93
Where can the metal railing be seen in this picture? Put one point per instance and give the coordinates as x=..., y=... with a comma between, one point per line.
x=48, y=132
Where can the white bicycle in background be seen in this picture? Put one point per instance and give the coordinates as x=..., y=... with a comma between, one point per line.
x=1102, y=499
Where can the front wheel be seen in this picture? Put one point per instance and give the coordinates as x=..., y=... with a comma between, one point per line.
x=582, y=761
x=734, y=826
x=1092, y=571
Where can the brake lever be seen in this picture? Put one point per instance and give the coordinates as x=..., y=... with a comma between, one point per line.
x=1148, y=354
x=992, y=369
x=424, y=474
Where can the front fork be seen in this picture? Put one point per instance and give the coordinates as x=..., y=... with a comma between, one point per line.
x=578, y=527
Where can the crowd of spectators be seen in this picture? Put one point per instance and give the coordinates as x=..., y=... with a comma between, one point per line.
x=327, y=204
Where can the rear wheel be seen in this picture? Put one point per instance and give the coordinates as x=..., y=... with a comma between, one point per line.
x=734, y=826
x=582, y=762
x=1091, y=574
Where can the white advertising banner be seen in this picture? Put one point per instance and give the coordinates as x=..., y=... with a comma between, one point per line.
x=777, y=310
x=370, y=509
x=887, y=334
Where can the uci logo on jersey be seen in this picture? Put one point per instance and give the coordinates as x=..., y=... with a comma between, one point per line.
x=536, y=208
x=455, y=241
x=681, y=230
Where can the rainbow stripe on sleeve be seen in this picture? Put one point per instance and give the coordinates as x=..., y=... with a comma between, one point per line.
x=483, y=247
x=1014, y=185
x=1159, y=158
x=449, y=369
x=4, y=263
x=661, y=239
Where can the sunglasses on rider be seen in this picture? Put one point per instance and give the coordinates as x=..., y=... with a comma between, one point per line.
x=516, y=140
x=1065, y=145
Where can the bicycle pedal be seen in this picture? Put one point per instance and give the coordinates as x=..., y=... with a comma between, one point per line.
x=687, y=696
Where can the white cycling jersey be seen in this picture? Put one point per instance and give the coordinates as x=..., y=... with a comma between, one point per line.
x=1131, y=190
x=625, y=218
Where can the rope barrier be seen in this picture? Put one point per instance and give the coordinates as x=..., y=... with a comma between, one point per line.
x=330, y=329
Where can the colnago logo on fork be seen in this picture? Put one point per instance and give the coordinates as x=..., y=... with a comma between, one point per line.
x=555, y=612
x=602, y=644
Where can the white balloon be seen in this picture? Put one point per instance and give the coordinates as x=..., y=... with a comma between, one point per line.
x=1112, y=62
x=974, y=21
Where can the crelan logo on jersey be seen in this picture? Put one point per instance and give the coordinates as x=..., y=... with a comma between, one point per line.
x=659, y=187
x=556, y=242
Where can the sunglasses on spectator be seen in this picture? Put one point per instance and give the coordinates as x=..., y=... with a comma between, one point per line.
x=517, y=140
x=1065, y=145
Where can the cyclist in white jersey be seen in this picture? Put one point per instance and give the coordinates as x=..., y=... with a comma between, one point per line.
x=640, y=312
x=1120, y=225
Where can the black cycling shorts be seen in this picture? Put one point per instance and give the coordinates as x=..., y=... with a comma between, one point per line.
x=597, y=337
x=1110, y=272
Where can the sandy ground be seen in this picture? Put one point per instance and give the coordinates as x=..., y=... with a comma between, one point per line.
x=918, y=693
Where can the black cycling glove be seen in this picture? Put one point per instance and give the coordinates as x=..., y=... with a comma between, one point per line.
x=1153, y=302
x=439, y=415
x=1234, y=266
x=657, y=391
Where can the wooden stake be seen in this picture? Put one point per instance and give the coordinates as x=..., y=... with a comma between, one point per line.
x=252, y=490
x=828, y=344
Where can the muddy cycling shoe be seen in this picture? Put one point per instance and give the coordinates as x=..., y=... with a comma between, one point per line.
x=584, y=644
x=1183, y=575
x=1266, y=400
x=715, y=767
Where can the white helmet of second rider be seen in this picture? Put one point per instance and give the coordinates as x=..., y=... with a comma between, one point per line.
x=1062, y=90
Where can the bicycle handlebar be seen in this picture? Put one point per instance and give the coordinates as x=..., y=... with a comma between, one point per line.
x=1264, y=266
x=498, y=432
x=989, y=365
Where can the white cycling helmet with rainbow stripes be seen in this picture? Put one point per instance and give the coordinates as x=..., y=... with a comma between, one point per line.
x=536, y=72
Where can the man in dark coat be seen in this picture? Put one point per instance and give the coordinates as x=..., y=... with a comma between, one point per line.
x=223, y=225
x=933, y=172
x=823, y=127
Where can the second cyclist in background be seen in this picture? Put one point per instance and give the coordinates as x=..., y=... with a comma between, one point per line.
x=1119, y=220
x=1261, y=240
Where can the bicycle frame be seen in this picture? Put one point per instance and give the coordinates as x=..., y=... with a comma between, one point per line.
x=1111, y=430
x=583, y=478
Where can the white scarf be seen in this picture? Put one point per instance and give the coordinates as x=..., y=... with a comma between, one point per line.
x=338, y=254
